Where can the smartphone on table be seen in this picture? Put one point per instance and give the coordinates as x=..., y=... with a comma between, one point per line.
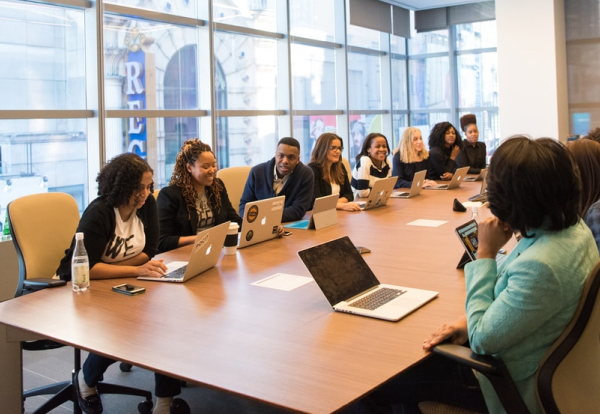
x=128, y=289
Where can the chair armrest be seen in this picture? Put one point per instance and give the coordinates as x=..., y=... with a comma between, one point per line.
x=42, y=283
x=464, y=355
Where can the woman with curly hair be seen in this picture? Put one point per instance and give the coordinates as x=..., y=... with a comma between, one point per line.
x=410, y=157
x=195, y=198
x=120, y=230
x=444, y=146
x=330, y=174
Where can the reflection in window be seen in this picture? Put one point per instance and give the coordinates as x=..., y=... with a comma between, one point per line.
x=313, y=74
x=430, y=86
x=312, y=19
x=251, y=139
x=307, y=129
x=477, y=79
x=255, y=14
x=476, y=35
x=360, y=127
x=428, y=42
x=364, y=81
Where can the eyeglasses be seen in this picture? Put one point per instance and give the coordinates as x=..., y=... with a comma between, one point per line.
x=333, y=148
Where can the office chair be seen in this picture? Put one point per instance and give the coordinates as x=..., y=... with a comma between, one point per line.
x=348, y=168
x=568, y=378
x=42, y=228
x=234, y=179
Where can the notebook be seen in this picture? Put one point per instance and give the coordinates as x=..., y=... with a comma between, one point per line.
x=455, y=182
x=380, y=193
x=478, y=177
x=261, y=220
x=482, y=196
x=205, y=254
x=468, y=236
x=347, y=281
x=323, y=214
x=415, y=188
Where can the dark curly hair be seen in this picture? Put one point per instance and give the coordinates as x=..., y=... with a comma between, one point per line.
x=120, y=178
x=532, y=180
x=594, y=135
x=367, y=144
x=436, y=136
x=467, y=120
x=188, y=154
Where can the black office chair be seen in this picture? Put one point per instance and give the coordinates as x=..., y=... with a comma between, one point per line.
x=42, y=228
x=568, y=378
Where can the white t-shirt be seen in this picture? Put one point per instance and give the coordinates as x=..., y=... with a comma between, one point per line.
x=128, y=239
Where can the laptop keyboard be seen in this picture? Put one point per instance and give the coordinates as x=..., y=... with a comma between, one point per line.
x=177, y=273
x=378, y=298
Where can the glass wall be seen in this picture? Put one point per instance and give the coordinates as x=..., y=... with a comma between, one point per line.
x=240, y=78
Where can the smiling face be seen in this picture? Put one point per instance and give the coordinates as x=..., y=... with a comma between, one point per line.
x=286, y=159
x=138, y=198
x=472, y=134
x=203, y=171
x=449, y=137
x=333, y=155
x=417, y=141
x=378, y=150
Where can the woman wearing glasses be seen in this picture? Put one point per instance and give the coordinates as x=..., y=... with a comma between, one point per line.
x=330, y=174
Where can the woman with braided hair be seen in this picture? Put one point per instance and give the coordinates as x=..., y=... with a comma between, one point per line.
x=195, y=198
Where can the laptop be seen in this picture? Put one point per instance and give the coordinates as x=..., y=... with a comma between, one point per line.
x=261, y=220
x=349, y=284
x=482, y=196
x=455, y=182
x=478, y=177
x=380, y=193
x=415, y=188
x=205, y=254
x=468, y=235
x=323, y=214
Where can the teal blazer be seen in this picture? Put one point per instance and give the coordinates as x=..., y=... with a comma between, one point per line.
x=517, y=311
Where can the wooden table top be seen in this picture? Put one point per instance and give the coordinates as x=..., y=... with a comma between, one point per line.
x=287, y=349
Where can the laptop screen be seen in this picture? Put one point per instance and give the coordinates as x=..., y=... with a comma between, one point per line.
x=339, y=269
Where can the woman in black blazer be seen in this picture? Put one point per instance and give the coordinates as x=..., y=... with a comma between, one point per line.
x=195, y=198
x=330, y=174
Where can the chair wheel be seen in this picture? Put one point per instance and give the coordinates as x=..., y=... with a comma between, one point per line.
x=124, y=367
x=145, y=407
x=179, y=406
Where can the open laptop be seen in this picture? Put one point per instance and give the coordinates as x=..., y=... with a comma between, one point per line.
x=323, y=214
x=455, y=182
x=380, y=193
x=478, y=177
x=261, y=220
x=349, y=284
x=205, y=254
x=415, y=188
x=482, y=196
x=468, y=235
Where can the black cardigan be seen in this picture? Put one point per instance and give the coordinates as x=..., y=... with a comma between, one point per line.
x=323, y=188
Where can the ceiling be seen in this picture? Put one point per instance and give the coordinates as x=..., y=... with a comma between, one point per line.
x=427, y=4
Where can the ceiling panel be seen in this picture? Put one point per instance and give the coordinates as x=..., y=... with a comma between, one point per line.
x=427, y=4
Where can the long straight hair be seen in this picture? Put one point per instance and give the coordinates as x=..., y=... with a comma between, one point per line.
x=336, y=173
x=407, y=150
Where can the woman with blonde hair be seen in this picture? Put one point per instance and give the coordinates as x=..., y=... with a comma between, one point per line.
x=330, y=173
x=410, y=157
x=195, y=198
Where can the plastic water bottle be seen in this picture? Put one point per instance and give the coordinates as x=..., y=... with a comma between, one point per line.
x=475, y=213
x=80, y=266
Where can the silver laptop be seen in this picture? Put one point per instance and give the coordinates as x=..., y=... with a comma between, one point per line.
x=380, y=193
x=323, y=214
x=415, y=188
x=350, y=286
x=478, y=177
x=205, y=254
x=455, y=182
x=482, y=196
x=261, y=220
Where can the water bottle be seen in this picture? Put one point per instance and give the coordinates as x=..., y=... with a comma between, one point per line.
x=80, y=266
x=475, y=213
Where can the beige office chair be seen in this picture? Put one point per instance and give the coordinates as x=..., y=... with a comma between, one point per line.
x=348, y=169
x=568, y=378
x=234, y=179
x=42, y=227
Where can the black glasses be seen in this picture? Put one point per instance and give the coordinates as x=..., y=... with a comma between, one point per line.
x=333, y=148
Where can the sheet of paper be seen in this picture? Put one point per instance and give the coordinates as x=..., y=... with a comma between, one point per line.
x=427, y=223
x=471, y=204
x=283, y=281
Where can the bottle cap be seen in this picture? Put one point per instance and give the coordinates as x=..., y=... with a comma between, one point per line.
x=79, y=236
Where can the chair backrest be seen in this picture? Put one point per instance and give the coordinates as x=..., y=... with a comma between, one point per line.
x=155, y=193
x=568, y=379
x=234, y=179
x=42, y=227
x=348, y=170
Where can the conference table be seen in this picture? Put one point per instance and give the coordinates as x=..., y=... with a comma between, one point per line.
x=283, y=348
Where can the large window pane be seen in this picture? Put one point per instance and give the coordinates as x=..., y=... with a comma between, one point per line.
x=367, y=38
x=428, y=42
x=245, y=72
x=248, y=140
x=476, y=35
x=477, y=79
x=255, y=14
x=186, y=8
x=398, y=45
x=430, y=83
x=364, y=81
x=137, y=51
x=400, y=122
x=307, y=129
x=313, y=74
x=399, y=84
x=312, y=19
x=39, y=155
x=42, y=57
